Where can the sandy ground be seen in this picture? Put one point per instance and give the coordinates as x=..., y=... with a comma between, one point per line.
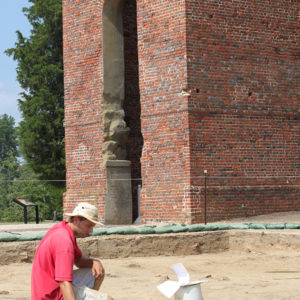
x=230, y=275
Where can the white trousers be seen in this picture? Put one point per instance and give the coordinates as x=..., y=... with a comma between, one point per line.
x=83, y=281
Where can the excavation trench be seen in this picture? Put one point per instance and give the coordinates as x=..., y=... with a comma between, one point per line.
x=168, y=244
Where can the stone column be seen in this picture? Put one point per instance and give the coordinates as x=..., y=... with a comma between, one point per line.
x=118, y=203
x=115, y=129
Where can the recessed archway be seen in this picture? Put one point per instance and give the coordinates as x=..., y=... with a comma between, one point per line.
x=121, y=97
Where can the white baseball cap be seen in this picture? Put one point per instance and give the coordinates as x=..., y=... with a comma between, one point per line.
x=87, y=211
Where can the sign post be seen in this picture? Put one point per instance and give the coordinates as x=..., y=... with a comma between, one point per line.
x=25, y=203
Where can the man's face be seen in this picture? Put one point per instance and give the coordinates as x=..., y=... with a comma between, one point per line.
x=83, y=227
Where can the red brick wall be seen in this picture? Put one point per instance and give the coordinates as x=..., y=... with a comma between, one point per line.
x=208, y=85
x=83, y=90
x=243, y=69
x=83, y=69
x=164, y=115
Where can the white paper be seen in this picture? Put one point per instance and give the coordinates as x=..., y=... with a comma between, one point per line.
x=182, y=274
x=195, y=282
x=169, y=288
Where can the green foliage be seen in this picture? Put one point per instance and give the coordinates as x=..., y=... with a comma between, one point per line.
x=15, y=213
x=48, y=197
x=9, y=170
x=9, y=165
x=40, y=74
x=19, y=181
x=41, y=133
x=8, y=140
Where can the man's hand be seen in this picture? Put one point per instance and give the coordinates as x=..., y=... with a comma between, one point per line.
x=96, y=266
x=98, y=272
x=97, y=269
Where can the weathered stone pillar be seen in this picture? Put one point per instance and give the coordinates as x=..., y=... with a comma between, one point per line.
x=118, y=203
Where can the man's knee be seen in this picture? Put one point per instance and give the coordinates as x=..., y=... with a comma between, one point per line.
x=99, y=278
x=98, y=281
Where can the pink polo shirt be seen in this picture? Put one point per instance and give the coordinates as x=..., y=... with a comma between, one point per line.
x=53, y=262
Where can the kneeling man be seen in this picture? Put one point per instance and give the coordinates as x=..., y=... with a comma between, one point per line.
x=52, y=274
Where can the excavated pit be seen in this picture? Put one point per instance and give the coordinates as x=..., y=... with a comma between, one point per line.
x=187, y=243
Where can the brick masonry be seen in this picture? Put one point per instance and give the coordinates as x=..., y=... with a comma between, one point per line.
x=209, y=85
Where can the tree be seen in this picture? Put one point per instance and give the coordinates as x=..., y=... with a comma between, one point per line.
x=40, y=74
x=9, y=164
x=46, y=196
x=8, y=139
x=26, y=185
x=19, y=181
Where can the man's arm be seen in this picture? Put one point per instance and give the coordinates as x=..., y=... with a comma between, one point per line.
x=85, y=262
x=96, y=266
x=67, y=290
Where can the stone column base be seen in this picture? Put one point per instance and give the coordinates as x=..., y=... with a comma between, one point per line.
x=118, y=202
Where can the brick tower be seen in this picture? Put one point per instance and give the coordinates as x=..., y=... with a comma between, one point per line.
x=202, y=85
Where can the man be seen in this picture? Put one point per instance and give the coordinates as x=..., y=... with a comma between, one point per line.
x=52, y=274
